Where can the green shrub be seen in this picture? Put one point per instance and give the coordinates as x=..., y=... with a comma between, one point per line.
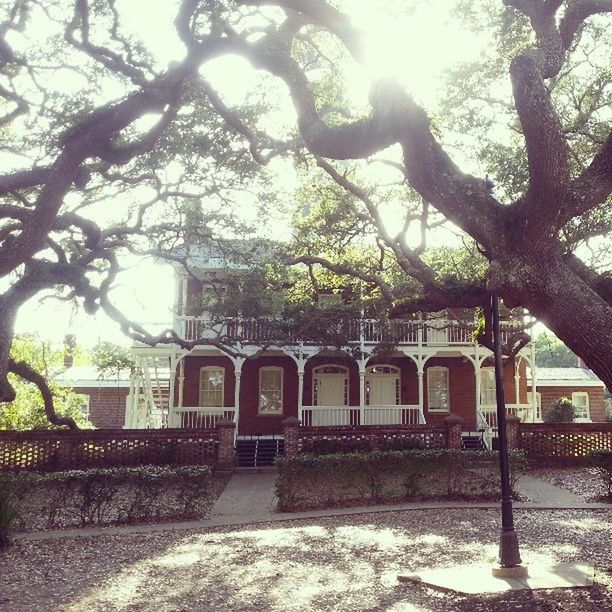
x=602, y=461
x=400, y=444
x=562, y=411
x=114, y=495
x=332, y=446
x=8, y=511
x=311, y=481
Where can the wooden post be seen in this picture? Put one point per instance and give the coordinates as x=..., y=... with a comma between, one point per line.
x=291, y=433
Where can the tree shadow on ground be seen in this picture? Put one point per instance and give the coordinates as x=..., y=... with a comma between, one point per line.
x=344, y=563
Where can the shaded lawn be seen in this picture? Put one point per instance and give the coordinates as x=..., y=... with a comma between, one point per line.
x=340, y=563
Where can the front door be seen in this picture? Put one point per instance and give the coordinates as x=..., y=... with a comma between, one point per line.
x=381, y=389
x=330, y=390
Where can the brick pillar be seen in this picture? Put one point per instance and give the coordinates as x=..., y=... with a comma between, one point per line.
x=65, y=452
x=291, y=433
x=226, y=457
x=512, y=431
x=453, y=431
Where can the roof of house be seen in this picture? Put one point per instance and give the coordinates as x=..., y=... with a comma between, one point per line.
x=565, y=377
x=90, y=376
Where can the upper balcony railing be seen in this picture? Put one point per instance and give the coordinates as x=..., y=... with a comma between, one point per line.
x=351, y=331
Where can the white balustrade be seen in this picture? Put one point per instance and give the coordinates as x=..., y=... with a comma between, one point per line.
x=436, y=333
x=198, y=417
x=338, y=416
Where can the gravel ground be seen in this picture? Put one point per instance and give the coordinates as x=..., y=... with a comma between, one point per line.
x=582, y=481
x=340, y=563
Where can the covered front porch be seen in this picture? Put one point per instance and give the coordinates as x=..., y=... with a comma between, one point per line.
x=322, y=388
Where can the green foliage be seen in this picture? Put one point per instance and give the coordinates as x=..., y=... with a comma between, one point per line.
x=308, y=480
x=333, y=446
x=111, y=495
x=111, y=359
x=552, y=353
x=27, y=410
x=8, y=510
x=601, y=460
x=562, y=411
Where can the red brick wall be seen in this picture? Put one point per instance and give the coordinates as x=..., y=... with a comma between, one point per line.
x=596, y=399
x=252, y=423
x=106, y=405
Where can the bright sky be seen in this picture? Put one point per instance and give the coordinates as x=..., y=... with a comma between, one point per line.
x=414, y=48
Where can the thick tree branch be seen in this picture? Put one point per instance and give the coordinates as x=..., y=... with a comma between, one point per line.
x=23, y=370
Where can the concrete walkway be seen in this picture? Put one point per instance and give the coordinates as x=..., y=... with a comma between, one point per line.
x=249, y=499
x=543, y=492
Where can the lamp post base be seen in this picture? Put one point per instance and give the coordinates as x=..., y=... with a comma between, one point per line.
x=518, y=571
x=509, y=555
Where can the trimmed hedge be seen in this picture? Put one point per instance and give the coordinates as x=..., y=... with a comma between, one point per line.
x=323, y=481
x=107, y=495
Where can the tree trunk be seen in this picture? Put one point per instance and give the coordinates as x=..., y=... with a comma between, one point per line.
x=568, y=306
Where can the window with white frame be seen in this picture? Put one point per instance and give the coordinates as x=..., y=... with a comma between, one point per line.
x=487, y=387
x=271, y=390
x=212, y=379
x=580, y=400
x=84, y=402
x=437, y=389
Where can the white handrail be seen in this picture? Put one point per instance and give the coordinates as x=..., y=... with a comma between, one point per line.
x=338, y=416
x=411, y=332
x=200, y=417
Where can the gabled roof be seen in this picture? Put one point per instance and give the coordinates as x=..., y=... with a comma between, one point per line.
x=565, y=377
x=90, y=376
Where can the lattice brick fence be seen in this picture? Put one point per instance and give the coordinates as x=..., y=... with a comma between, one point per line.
x=60, y=449
x=375, y=435
x=564, y=440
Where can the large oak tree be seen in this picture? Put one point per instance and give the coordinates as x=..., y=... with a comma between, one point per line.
x=161, y=138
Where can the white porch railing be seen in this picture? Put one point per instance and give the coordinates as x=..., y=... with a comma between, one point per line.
x=369, y=331
x=482, y=423
x=523, y=411
x=337, y=416
x=198, y=417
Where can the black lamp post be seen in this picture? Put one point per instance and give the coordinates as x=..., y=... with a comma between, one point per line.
x=509, y=555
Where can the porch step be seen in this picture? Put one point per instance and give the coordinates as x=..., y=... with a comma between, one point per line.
x=472, y=440
x=258, y=451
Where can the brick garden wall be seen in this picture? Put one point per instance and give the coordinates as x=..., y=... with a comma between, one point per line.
x=50, y=450
x=565, y=441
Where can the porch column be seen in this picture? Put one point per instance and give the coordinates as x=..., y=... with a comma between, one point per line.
x=238, y=361
x=362, y=374
x=300, y=399
x=534, y=384
x=181, y=382
x=420, y=374
x=171, y=384
x=517, y=385
x=477, y=365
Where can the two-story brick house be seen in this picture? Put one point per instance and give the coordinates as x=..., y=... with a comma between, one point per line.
x=430, y=368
